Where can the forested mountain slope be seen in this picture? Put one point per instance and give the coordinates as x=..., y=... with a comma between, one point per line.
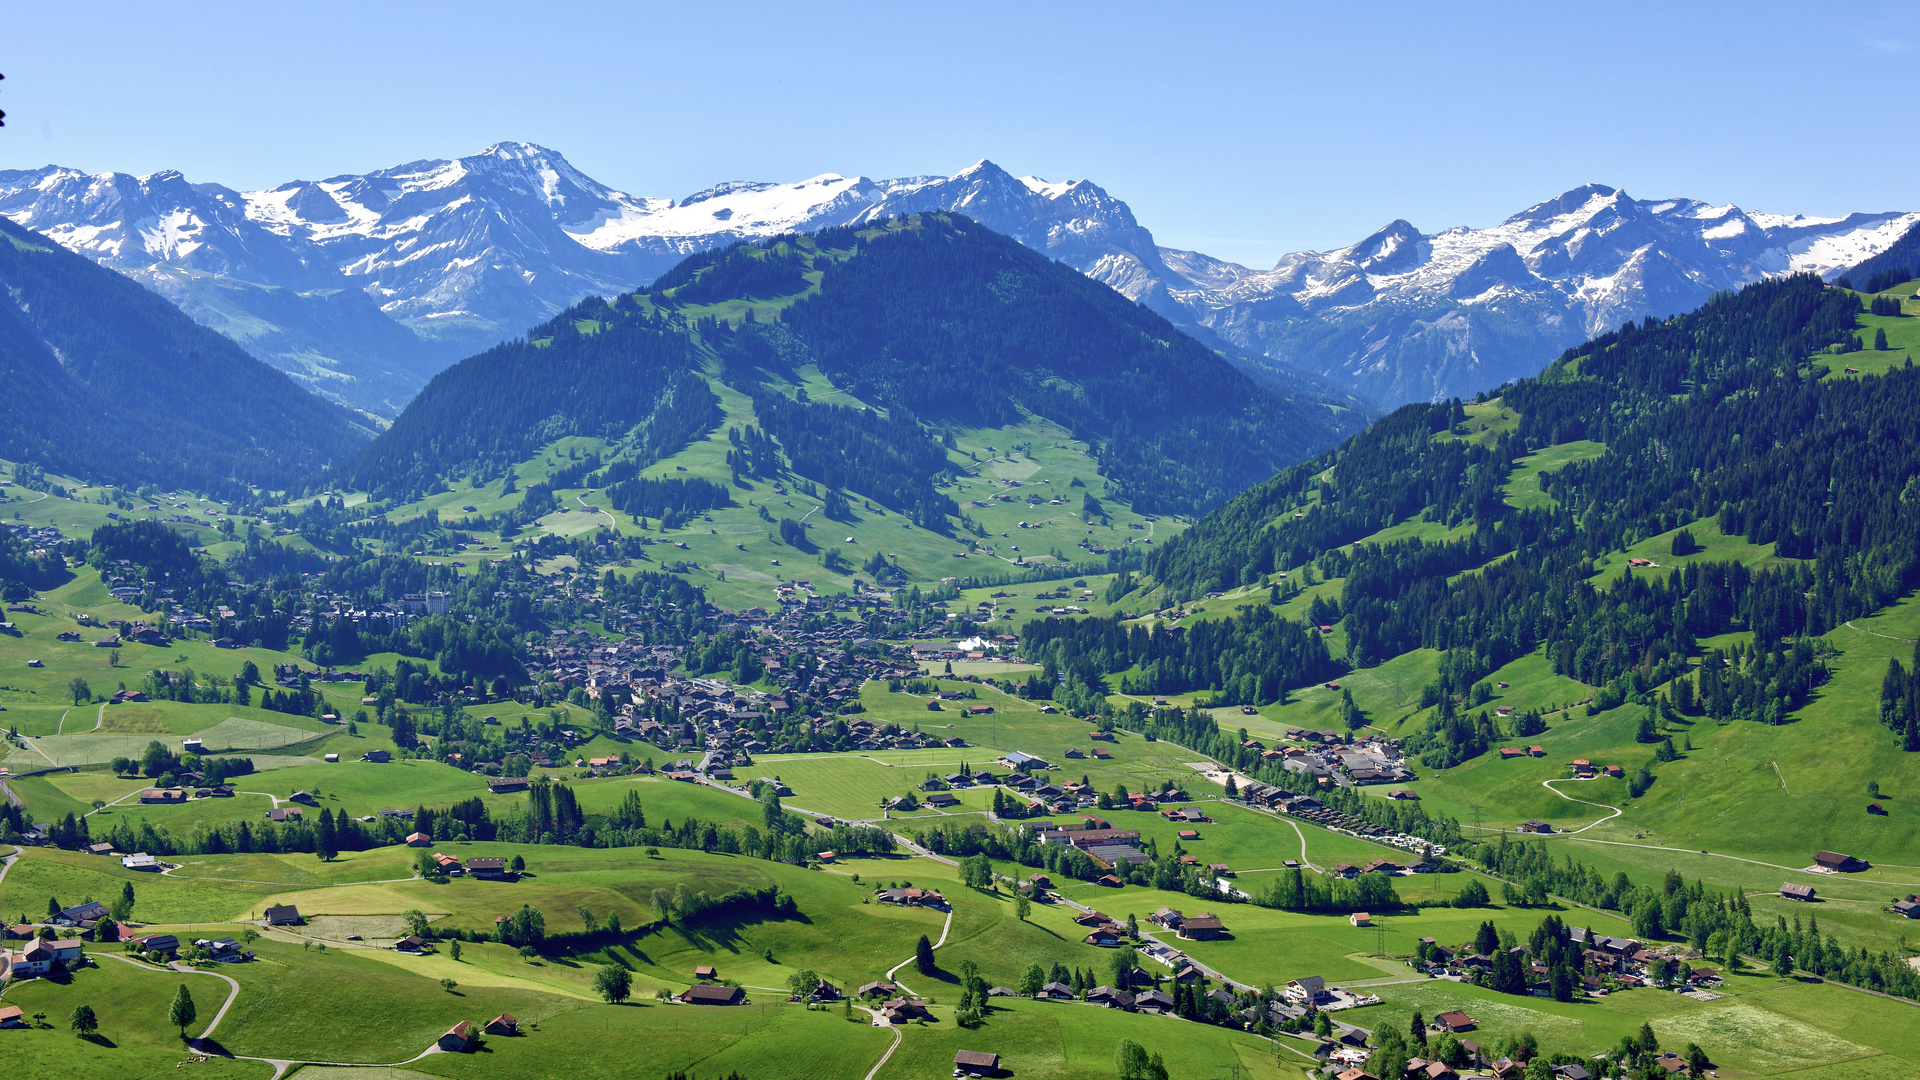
x=1715, y=420
x=106, y=380
x=935, y=319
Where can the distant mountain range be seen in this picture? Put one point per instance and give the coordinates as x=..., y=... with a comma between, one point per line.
x=364, y=286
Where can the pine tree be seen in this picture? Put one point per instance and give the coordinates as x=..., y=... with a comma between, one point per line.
x=181, y=1012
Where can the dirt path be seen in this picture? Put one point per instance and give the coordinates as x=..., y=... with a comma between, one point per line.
x=233, y=991
x=280, y=1065
x=944, y=927
x=590, y=508
x=1616, y=811
x=1875, y=633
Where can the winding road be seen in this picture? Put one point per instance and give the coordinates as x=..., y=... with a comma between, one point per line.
x=280, y=1065
x=1548, y=784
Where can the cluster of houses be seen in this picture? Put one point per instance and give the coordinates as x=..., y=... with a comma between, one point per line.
x=1202, y=927
x=1582, y=768
x=1309, y=808
x=1108, y=847
x=464, y=1037
x=911, y=897
x=1327, y=758
x=1610, y=962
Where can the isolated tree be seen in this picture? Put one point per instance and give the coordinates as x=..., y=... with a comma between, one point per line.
x=803, y=982
x=518, y=865
x=181, y=1012
x=448, y=985
x=613, y=983
x=82, y=1020
x=586, y=916
x=1132, y=1060
x=923, y=956
x=1419, y=1028
x=453, y=949
x=663, y=905
x=1022, y=907
x=78, y=687
x=416, y=921
x=1033, y=979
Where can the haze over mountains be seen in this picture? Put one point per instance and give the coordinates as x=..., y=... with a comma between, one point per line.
x=364, y=286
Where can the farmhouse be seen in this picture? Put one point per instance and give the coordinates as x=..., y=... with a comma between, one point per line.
x=81, y=914
x=708, y=994
x=1312, y=989
x=419, y=839
x=284, y=813
x=503, y=1025
x=506, y=785
x=411, y=943
x=1536, y=826
x=487, y=866
x=1837, y=863
x=1794, y=891
x=1021, y=762
x=158, y=944
x=459, y=1038
x=975, y=1063
x=1454, y=1022
x=141, y=861
x=283, y=915
x=1202, y=927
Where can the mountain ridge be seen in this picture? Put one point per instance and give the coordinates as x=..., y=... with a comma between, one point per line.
x=465, y=252
x=109, y=381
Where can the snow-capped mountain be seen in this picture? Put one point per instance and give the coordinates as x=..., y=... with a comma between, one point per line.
x=1406, y=316
x=365, y=286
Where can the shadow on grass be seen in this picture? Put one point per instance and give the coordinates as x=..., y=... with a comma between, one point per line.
x=98, y=1039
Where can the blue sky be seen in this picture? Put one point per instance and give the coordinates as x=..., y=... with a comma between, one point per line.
x=1241, y=130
